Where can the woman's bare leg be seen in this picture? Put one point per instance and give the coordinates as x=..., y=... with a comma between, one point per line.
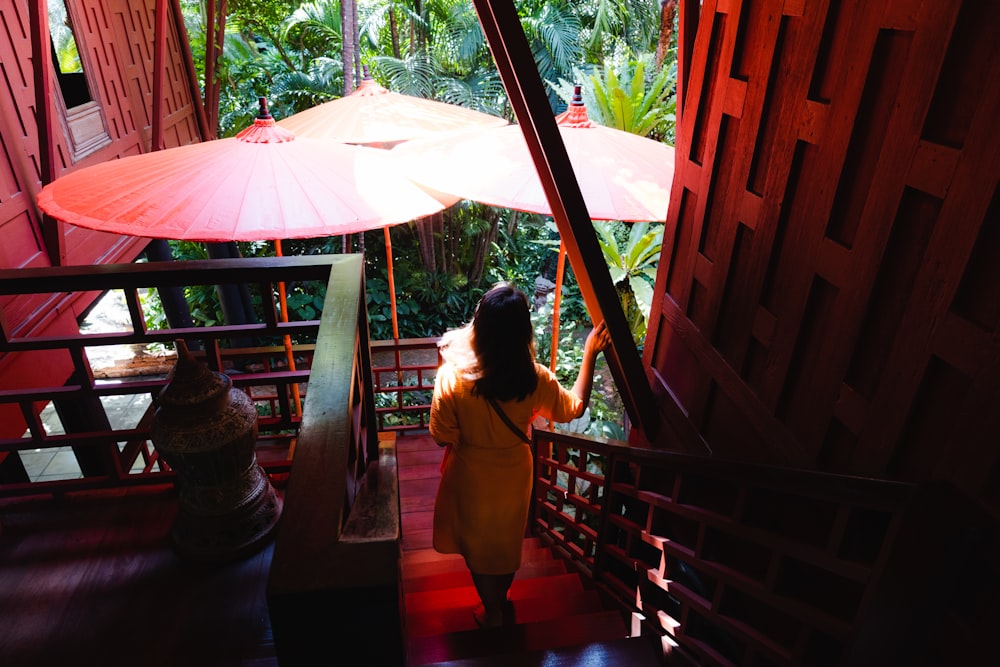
x=492, y=589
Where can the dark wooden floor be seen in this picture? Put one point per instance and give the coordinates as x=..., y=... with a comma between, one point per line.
x=93, y=580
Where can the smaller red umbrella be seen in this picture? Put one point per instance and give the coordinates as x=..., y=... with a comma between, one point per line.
x=622, y=176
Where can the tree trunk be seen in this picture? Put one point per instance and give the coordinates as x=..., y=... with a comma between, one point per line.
x=425, y=236
x=668, y=10
x=483, y=250
x=356, y=38
x=394, y=31
x=215, y=38
x=347, y=19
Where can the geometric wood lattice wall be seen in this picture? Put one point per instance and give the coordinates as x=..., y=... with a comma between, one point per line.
x=115, y=39
x=829, y=292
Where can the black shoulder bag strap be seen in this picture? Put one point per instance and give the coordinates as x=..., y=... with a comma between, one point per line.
x=507, y=421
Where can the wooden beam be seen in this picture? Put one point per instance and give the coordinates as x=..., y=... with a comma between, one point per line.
x=196, y=97
x=41, y=49
x=159, y=46
x=519, y=73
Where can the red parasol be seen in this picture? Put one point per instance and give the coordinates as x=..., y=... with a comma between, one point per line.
x=376, y=116
x=622, y=176
x=262, y=184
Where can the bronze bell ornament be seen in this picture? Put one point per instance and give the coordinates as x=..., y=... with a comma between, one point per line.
x=206, y=431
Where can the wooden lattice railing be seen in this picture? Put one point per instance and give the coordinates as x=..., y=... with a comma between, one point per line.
x=402, y=375
x=110, y=457
x=739, y=564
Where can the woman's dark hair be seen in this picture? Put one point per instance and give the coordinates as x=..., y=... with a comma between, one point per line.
x=504, y=344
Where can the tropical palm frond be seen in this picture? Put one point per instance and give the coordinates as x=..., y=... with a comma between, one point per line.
x=482, y=92
x=315, y=25
x=412, y=75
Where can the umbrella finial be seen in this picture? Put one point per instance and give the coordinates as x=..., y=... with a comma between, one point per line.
x=369, y=86
x=264, y=130
x=263, y=114
x=576, y=114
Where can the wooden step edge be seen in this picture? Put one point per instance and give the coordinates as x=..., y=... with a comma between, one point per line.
x=431, y=576
x=628, y=652
x=458, y=616
x=450, y=563
x=523, y=638
x=530, y=545
x=524, y=589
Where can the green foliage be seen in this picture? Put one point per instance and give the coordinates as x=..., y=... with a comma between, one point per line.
x=610, y=26
x=605, y=410
x=263, y=17
x=67, y=56
x=520, y=255
x=553, y=31
x=633, y=268
x=631, y=96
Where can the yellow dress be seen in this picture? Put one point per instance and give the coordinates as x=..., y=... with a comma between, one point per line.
x=481, y=508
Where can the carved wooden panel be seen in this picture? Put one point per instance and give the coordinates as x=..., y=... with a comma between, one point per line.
x=115, y=39
x=828, y=293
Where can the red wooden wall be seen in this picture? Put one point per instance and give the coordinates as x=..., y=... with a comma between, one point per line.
x=115, y=39
x=829, y=290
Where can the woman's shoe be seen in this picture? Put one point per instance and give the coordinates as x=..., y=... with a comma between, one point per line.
x=508, y=613
x=486, y=620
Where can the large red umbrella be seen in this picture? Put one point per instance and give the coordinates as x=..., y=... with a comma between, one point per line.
x=622, y=176
x=263, y=184
x=375, y=116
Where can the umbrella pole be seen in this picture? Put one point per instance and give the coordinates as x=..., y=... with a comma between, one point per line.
x=395, y=319
x=392, y=283
x=288, y=339
x=560, y=271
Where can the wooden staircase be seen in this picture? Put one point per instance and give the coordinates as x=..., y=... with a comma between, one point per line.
x=560, y=620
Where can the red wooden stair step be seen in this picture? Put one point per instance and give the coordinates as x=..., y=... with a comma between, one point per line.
x=431, y=576
x=632, y=652
x=452, y=610
x=554, y=633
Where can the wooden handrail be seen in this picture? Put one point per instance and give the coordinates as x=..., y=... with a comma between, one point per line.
x=322, y=581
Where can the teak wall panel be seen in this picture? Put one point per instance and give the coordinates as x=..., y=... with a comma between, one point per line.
x=828, y=293
x=115, y=38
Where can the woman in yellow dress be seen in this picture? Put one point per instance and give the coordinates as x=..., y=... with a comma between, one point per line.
x=481, y=508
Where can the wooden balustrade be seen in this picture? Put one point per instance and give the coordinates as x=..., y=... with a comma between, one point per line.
x=732, y=563
x=110, y=457
x=403, y=373
x=402, y=378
